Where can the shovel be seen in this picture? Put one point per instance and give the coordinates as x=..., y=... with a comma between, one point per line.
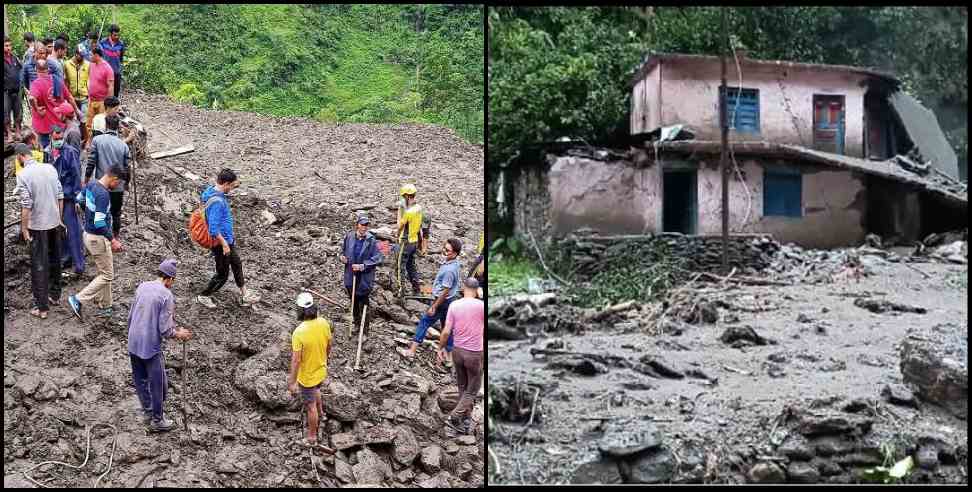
x=364, y=316
x=354, y=287
x=185, y=386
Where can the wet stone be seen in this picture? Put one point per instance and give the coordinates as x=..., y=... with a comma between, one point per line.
x=831, y=445
x=927, y=457
x=827, y=468
x=603, y=471
x=766, y=473
x=796, y=448
x=802, y=473
x=652, y=467
x=897, y=394
x=625, y=440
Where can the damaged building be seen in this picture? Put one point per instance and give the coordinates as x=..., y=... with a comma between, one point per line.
x=820, y=155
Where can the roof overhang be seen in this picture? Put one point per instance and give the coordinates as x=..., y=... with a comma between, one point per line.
x=652, y=61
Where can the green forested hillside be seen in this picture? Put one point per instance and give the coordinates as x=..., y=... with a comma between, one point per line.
x=335, y=63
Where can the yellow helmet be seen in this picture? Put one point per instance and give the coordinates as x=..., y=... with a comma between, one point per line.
x=408, y=189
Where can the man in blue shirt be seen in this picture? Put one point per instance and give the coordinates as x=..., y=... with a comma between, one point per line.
x=361, y=257
x=99, y=242
x=149, y=321
x=445, y=289
x=219, y=218
x=113, y=50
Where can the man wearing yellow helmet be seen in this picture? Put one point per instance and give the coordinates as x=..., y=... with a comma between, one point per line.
x=410, y=218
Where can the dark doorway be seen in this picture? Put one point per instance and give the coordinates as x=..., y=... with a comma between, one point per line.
x=679, y=204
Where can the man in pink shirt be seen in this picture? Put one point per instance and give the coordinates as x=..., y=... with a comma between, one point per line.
x=465, y=322
x=101, y=83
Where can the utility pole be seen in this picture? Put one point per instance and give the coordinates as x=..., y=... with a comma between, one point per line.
x=722, y=158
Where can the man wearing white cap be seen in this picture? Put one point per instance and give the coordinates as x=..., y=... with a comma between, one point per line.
x=311, y=344
x=149, y=321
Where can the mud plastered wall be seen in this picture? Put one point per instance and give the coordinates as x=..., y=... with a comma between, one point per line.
x=531, y=202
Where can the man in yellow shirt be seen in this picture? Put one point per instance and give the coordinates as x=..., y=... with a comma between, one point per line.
x=311, y=344
x=76, y=71
x=409, y=231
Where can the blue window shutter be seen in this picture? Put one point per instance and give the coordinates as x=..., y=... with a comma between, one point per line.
x=782, y=194
x=746, y=112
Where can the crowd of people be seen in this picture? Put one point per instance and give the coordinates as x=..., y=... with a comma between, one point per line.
x=74, y=104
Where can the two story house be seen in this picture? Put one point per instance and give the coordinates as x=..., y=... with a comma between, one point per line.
x=821, y=155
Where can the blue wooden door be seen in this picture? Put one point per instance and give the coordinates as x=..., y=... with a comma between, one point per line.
x=828, y=123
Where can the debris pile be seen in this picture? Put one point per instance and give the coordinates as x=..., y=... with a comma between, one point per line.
x=935, y=362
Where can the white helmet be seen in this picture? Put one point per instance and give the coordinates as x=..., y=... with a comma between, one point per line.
x=305, y=300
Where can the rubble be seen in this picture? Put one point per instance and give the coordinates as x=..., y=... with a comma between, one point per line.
x=935, y=364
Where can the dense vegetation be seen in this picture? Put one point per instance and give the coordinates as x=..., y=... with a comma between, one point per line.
x=562, y=71
x=335, y=63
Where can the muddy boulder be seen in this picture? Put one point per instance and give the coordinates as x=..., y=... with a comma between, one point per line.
x=405, y=447
x=344, y=403
x=657, y=466
x=262, y=377
x=935, y=364
x=603, y=471
x=372, y=468
x=625, y=440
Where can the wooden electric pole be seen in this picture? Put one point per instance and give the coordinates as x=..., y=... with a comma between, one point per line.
x=723, y=95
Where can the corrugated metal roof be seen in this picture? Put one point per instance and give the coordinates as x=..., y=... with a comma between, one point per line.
x=922, y=127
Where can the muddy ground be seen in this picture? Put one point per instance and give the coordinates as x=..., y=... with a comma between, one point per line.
x=312, y=177
x=827, y=353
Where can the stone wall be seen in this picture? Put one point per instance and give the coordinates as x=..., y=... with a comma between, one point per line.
x=531, y=202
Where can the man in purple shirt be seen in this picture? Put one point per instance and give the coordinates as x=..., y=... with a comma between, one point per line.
x=150, y=320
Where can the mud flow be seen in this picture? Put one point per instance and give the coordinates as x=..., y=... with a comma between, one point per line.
x=68, y=384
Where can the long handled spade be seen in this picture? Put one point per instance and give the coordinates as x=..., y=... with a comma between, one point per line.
x=185, y=386
x=354, y=288
x=364, y=316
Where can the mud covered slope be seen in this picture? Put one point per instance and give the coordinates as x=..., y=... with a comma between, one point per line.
x=242, y=425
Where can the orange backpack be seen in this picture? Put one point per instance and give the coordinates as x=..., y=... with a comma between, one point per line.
x=199, y=228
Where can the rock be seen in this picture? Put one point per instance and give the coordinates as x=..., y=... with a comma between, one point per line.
x=268, y=218
x=46, y=391
x=766, y=473
x=344, y=440
x=412, y=404
x=879, y=306
x=467, y=440
x=898, y=394
x=691, y=466
x=27, y=384
x=407, y=381
x=621, y=440
x=934, y=364
x=259, y=376
x=652, y=467
x=744, y=334
x=578, y=365
x=371, y=468
x=828, y=468
x=873, y=240
x=343, y=403
x=343, y=471
x=796, y=448
x=448, y=399
x=379, y=434
x=812, y=425
x=802, y=473
x=231, y=459
x=927, y=457
x=440, y=481
x=803, y=318
x=431, y=459
x=831, y=445
x=863, y=458
x=604, y=471
x=404, y=476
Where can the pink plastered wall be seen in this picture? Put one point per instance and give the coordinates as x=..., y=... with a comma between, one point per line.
x=613, y=197
x=833, y=208
x=689, y=95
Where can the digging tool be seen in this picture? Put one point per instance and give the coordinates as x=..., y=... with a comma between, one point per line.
x=364, y=315
x=328, y=299
x=354, y=287
x=135, y=186
x=401, y=249
x=185, y=386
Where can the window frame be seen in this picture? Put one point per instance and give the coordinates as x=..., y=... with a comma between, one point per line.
x=783, y=174
x=732, y=98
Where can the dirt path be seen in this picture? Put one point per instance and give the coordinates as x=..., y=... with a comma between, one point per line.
x=312, y=177
x=836, y=353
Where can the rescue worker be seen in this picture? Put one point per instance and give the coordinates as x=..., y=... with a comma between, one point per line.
x=410, y=216
x=361, y=258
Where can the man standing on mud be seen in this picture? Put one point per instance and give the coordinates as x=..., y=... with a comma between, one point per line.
x=99, y=242
x=465, y=323
x=42, y=200
x=109, y=150
x=445, y=289
x=150, y=320
x=361, y=258
x=219, y=218
x=311, y=344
